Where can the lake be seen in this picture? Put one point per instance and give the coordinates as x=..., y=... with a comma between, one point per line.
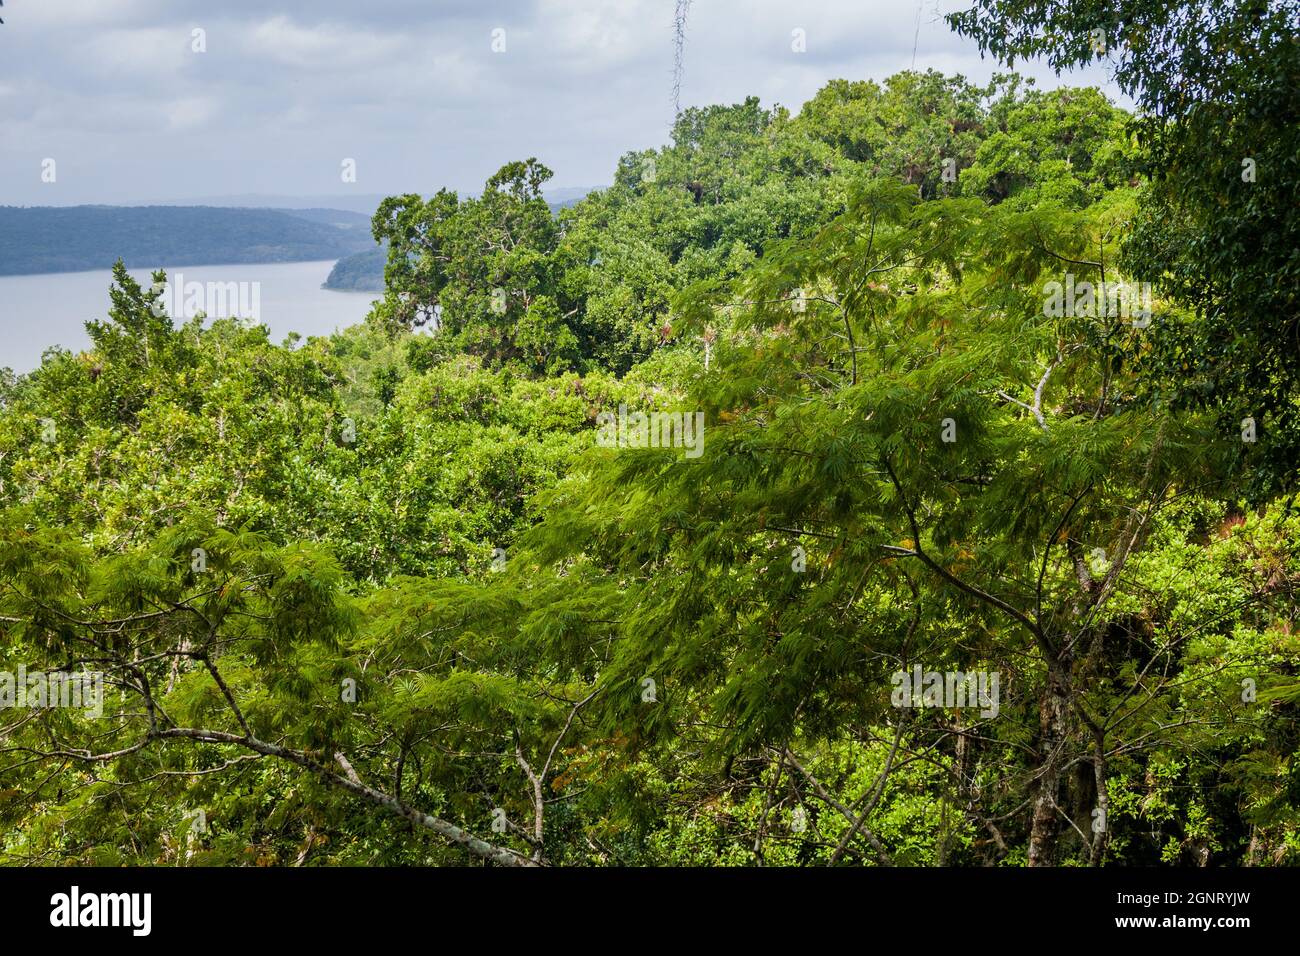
x=52, y=309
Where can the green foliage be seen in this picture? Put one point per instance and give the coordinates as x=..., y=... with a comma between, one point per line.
x=1220, y=137
x=385, y=598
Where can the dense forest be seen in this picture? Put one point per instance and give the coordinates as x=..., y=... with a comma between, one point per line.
x=364, y=271
x=908, y=480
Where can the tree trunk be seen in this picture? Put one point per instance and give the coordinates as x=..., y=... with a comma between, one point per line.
x=1101, y=821
x=1053, y=710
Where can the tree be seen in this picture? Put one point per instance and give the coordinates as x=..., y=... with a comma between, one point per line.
x=970, y=488
x=1221, y=136
x=377, y=598
x=479, y=268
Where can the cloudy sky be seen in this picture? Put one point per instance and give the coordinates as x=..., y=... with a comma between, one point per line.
x=412, y=90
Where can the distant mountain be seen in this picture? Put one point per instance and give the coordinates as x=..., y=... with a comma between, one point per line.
x=567, y=196
x=364, y=203
x=360, y=203
x=39, y=239
x=339, y=218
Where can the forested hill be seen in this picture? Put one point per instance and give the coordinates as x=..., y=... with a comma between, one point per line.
x=359, y=272
x=952, y=570
x=75, y=238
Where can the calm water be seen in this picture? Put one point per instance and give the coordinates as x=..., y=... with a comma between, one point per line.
x=39, y=311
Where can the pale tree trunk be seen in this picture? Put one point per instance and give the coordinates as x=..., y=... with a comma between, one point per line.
x=1053, y=727
x=1101, y=837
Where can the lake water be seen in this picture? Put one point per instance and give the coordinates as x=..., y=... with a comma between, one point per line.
x=43, y=310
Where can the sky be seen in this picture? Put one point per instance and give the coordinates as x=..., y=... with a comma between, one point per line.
x=285, y=92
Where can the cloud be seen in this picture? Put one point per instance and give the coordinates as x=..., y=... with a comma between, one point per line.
x=190, y=112
x=154, y=52
x=410, y=88
x=67, y=16
x=329, y=46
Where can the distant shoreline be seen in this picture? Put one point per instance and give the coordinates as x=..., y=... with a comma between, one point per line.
x=58, y=240
x=169, y=269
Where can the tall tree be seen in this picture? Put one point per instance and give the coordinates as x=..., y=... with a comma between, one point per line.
x=1220, y=130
